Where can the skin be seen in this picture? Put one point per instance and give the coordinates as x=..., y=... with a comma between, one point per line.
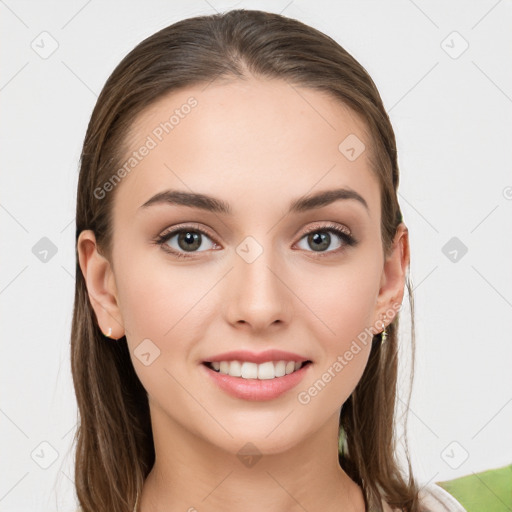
x=257, y=145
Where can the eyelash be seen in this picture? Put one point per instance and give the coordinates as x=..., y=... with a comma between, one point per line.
x=348, y=240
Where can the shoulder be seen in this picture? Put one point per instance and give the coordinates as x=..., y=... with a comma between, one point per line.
x=433, y=498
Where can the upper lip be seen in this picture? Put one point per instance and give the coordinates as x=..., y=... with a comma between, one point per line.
x=260, y=357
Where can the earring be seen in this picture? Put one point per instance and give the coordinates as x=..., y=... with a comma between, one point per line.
x=109, y=335
x=383, y=336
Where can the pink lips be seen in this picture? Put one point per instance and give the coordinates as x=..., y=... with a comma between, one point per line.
x=253, y=357
x=256, y=389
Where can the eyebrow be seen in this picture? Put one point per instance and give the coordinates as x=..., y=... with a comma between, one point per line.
x=215, y=205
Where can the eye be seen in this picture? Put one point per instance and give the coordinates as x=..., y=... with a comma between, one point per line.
x=186, y=239
x=189, y=239
x=319, y=237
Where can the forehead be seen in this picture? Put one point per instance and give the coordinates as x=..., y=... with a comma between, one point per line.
x=252, y=142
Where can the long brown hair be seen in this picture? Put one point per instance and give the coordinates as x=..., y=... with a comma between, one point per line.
x=114, y=443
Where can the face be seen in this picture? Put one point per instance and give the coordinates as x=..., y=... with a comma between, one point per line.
x=256, y=275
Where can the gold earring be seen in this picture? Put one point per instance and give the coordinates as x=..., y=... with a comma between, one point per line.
x=383, y=336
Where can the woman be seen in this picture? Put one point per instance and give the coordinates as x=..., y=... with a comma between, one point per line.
x=241, y=262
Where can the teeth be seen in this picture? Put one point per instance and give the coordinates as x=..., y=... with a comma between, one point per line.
x=247, y=370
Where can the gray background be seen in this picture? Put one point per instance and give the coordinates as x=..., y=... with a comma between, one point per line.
x=450, y=107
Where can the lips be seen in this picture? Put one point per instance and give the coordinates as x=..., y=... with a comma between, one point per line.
x=258, y=358
x=255, y=389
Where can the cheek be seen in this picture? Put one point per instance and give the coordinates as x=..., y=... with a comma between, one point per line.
x=345, y=310
x=341, y=305
x=157, y=299
x=343, y=299
x=163, y=312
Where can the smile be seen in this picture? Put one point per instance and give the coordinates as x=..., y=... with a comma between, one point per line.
x=248, y=385
x=263, y=371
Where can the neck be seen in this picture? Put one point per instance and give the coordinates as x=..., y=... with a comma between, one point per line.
x=192, y=474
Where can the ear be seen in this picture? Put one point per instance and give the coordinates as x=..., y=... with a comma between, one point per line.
x=392, y=284
x=101, y=286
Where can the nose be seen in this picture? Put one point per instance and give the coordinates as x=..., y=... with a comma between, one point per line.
x=257, y=294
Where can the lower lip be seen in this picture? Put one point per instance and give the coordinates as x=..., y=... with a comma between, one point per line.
x=256, y=389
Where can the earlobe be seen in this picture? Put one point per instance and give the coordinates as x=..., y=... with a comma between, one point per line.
x=394, y=272
x=101, y=288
